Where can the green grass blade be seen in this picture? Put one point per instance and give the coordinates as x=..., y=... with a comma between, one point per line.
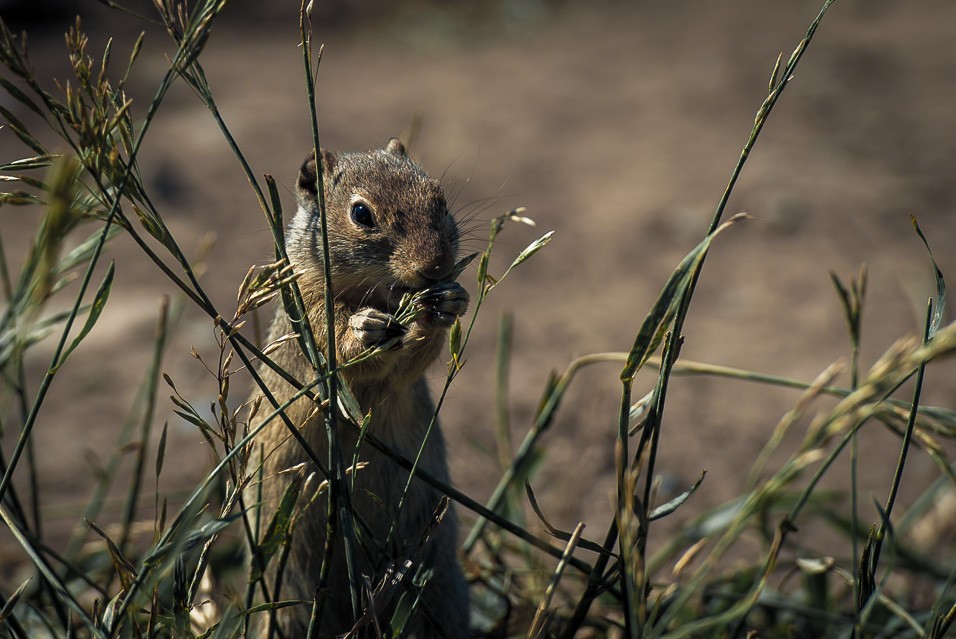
x=99, y=303
x=937, y=320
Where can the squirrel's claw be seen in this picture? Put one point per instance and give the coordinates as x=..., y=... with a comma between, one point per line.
x=373, y=328
x=445, y=302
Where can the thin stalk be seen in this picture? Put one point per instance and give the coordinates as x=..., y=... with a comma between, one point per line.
x=5, y=274
x=338, y=489
x=252, y=540
x=277, y=588
x=763, y=113
x=667, y=363
x=230, y=502
x=13, y=497
x=854, y=461
x=628, y=585
x=904, y=449
x=317, y=602
x=502, y=421
x=854, y=484
x=852, y=300
x=31, y=452
x=159, y=347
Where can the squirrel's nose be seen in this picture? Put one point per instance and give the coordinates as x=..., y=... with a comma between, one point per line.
x=437, y=270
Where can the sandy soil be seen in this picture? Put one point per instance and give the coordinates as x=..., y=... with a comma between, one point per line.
x=617, y=126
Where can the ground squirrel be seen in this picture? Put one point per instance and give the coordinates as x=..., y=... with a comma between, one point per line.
x=390, y=233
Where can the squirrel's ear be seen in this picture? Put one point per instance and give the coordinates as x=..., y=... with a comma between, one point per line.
x=395, y=146
x=306, y=184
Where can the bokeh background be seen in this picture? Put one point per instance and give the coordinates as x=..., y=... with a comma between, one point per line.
x=617, y=125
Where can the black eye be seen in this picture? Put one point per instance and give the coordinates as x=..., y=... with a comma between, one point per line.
x=361, y=214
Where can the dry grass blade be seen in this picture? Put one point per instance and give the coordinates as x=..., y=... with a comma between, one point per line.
x=126, y=570
x=539, y=624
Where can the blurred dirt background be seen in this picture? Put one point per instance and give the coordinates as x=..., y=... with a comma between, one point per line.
x=617, y=125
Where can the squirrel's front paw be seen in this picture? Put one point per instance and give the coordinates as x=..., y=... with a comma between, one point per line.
x=444, y=302
x=373, y=328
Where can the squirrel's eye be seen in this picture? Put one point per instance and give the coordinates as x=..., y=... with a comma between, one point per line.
x=362, y=215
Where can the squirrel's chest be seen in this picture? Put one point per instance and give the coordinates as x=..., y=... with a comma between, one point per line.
x=382, y=483
x=402, y=421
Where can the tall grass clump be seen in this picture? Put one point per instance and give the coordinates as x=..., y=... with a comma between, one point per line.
x=528, y=577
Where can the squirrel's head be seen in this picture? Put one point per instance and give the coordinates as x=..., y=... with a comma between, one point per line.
x=389, y=227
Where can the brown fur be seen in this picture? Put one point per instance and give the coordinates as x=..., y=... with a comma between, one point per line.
x=411, y=246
